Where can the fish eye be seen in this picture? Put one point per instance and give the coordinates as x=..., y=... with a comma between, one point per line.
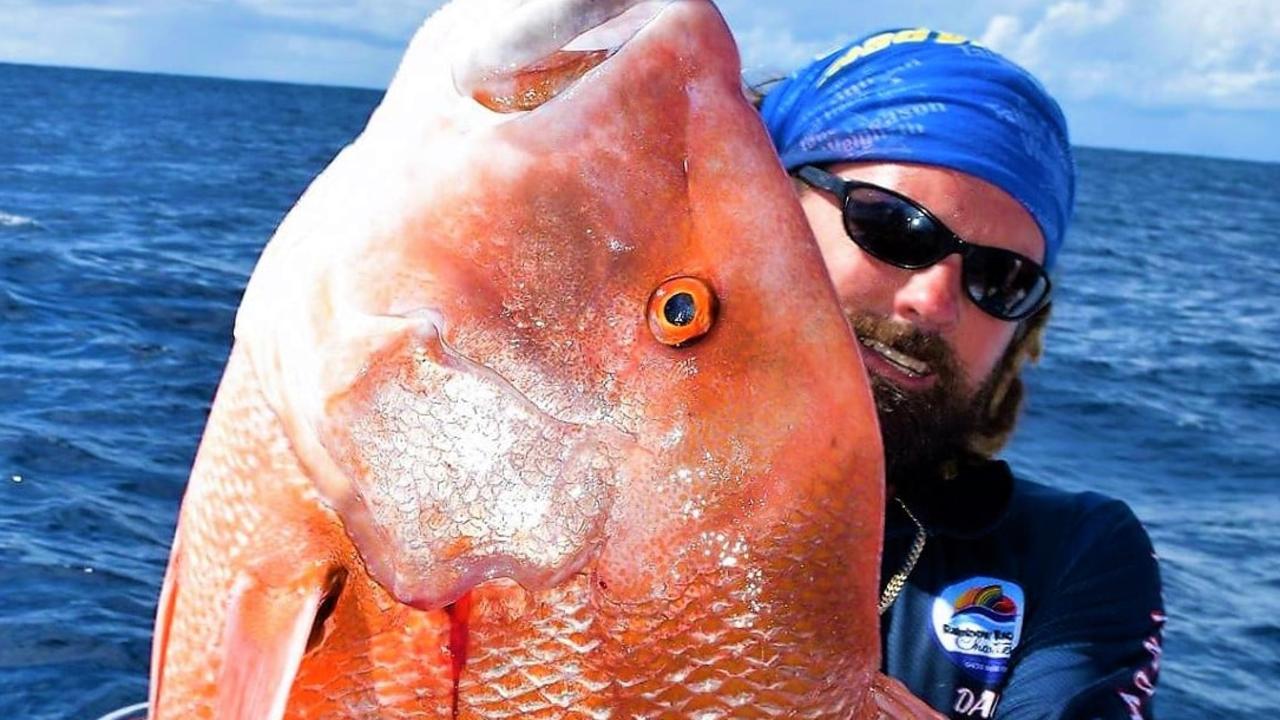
x=681, y=311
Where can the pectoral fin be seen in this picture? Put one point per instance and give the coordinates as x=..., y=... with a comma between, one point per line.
x=268, y=630
x=893, y=701
x=164, y=618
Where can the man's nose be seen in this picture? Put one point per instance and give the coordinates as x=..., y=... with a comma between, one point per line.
x=930, y=298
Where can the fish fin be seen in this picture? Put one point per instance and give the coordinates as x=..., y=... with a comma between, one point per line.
x=893, y=701
x=267, y=633
x=164, y=618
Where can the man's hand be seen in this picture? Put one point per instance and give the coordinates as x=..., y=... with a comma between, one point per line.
x=896, y=702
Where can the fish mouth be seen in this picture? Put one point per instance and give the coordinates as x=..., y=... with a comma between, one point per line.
x=546, y=47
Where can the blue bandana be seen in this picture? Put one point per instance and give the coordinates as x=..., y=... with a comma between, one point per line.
x=933, y=98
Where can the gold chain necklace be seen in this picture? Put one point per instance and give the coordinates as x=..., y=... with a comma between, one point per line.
x=899, y=579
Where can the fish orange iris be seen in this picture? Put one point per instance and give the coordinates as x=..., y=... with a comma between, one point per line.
x=681, y=310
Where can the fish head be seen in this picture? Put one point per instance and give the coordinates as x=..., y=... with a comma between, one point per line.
x=557, y=312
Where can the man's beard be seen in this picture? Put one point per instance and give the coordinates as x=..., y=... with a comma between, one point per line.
x=923, y=431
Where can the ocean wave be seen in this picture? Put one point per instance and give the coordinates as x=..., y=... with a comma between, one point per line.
x=10, y=220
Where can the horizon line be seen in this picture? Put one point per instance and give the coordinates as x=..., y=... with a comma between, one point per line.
x=382, y=90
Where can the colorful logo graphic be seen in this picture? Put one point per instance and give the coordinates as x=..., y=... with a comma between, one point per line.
x=989, y=602
x=978, y=622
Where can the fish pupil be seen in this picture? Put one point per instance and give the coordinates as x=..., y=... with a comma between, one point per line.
x=680, y=309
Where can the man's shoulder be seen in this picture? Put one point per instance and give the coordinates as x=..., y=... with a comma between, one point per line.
x=1037, y=501
x=988, y=500
x=989, y=522
x=1085, y=531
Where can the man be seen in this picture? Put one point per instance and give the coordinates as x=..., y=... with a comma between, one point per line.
x=939, y=181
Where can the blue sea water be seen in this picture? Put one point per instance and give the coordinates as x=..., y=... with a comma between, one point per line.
x=133, y=207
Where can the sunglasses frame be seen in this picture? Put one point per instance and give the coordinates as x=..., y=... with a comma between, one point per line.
x=843, y=188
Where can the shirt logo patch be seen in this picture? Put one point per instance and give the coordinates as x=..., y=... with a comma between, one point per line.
x=978, y=622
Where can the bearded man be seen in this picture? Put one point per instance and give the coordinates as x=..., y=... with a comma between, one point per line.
x=939, y=180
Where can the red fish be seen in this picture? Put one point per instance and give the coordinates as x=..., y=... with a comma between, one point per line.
x=540, y=405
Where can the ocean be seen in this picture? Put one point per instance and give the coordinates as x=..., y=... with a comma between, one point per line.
x=133, y=208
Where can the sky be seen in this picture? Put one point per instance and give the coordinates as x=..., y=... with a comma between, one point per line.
x=1188, y=76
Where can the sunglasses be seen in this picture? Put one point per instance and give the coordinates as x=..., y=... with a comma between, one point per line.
x=897, y=230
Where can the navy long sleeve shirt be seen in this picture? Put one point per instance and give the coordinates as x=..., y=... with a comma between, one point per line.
x=1028, y=602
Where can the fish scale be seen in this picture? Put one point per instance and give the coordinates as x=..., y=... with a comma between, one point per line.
x=690, y=657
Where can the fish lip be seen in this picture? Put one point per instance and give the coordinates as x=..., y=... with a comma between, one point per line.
x=654, y=8
x=473, y=71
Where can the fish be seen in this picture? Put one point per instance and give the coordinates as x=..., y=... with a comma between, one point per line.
x=540, y=404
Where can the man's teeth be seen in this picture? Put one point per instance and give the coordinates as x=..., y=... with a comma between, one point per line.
x=907, y=364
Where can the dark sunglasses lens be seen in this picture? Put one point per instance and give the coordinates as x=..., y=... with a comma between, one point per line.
x=892, y=229
x=1002, y=283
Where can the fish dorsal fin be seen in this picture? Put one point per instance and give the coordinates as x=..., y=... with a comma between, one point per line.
x=266, y=635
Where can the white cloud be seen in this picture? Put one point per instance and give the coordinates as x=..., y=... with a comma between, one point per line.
x=772, y=53
x=59, y=34
x=1146, y=63
x=278, y=40
x=394, y=19
x=1182, y=53
x=1003, y=31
